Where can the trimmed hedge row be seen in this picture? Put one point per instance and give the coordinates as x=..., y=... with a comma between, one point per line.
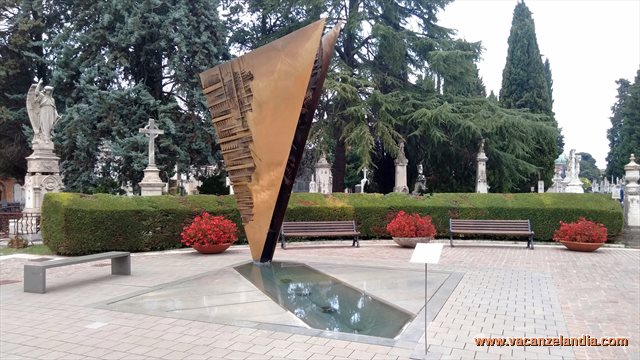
x=76, y=224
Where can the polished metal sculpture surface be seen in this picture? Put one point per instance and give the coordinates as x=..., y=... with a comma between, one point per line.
x=262, y=107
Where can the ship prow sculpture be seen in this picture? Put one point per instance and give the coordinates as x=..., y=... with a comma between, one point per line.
x=262, y=106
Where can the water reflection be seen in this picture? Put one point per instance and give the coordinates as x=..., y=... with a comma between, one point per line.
x=324, y=302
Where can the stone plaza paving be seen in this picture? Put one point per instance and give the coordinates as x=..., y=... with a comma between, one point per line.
x=500, y=291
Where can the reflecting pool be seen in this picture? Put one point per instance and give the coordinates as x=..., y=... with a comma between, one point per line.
x=324, y=302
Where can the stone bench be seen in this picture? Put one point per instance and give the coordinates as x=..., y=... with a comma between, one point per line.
x=35, y=274
x=319, y=229
x=491, y=227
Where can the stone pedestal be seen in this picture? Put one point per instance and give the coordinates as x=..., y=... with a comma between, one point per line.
x=556, y=185
x=151, y=184
x=43, y=176
x=632, y=194
x=575, y=186
x=401, y=172
x=540, y=186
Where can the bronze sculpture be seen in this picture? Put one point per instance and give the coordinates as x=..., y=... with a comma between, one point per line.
x=262, y=106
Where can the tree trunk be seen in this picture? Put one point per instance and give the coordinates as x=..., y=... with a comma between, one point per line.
x=339, y=166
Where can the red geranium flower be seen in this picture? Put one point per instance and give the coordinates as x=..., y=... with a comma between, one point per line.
x=414, y=225
x=207, y=229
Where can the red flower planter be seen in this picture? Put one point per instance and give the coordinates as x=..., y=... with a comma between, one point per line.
x=210, y=248
x=581, y=246
x=410, y=242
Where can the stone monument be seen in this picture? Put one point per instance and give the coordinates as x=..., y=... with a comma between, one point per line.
x=43, y=171
x=151, y=183
x=421, y=182
x=324, y=179
x=632, y=193
x=574, y=185
x=481, y=174
x=401, y=171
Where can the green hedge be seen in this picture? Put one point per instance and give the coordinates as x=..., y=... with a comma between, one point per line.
x=76, y=224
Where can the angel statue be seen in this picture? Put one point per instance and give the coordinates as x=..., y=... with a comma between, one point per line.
x=41, y=108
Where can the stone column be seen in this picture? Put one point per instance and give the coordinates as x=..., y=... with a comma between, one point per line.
x=151, y=183
x=632, y=193
x=323, y=175
x=401, y=172
x=481, y=174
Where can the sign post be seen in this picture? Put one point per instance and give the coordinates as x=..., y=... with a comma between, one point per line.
x=426, y=254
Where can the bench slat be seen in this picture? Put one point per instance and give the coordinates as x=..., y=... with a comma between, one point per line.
x=80, y=259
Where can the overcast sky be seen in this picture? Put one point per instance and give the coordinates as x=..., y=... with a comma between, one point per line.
x=590, y=44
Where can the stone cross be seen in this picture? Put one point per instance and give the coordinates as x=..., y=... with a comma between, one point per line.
x=152, y=131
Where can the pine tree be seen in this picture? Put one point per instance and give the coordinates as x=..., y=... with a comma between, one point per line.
x=117, y=65
x=21, y=61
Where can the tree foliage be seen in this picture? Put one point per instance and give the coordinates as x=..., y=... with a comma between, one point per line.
x=588, y=168
x=22, y=25
x=624, y=134
x=527, y=85
x=119, y=63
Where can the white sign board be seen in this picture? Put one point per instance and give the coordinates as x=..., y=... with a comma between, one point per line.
x=426, y=253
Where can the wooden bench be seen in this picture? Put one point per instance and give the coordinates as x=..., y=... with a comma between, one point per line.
x=492, y=227
x=35, y=273
x=319, y=229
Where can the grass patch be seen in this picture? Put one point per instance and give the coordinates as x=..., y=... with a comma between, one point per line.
x=33, y=249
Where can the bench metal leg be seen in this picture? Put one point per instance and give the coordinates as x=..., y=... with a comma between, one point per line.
x=283, y=241
x=356, y=241
x=34, y=279
x=121, y=265
x=531, y=242
x=451, y=239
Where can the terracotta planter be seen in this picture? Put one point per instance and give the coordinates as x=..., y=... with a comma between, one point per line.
x=581, y=246
x=211, y=249
x=411, y=242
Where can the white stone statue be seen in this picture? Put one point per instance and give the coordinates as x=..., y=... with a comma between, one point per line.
x=41, y=108
x=364, y=180
x=401, y=163
x=574, y=185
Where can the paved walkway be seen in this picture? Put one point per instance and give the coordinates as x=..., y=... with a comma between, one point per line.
x=505, y=291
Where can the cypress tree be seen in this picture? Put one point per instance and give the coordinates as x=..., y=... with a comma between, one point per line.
x=624, y=134
x=524, y=83
x=527, y=84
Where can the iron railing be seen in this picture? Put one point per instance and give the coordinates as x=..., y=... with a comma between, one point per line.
x=22, y=224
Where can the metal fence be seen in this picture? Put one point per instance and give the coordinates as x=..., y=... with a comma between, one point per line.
x=21, y=223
